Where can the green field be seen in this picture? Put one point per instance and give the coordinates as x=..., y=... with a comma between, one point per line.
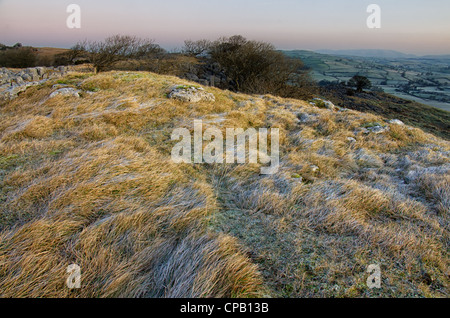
x=425, y=80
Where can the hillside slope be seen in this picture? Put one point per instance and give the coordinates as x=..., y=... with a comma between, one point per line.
x=428, y=118
x=89, y=180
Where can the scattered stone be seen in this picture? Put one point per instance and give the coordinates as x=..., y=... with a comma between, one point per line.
x=314, y=168
x=13, y=82
x=40, y=70
x=58, y=86
x=375, y=128
x=26, y=77
x=13, y=91
x=305, y=118
x=67, y=91
x=378, y=129
x=396, y=122
x=321, y=103
x=17, y=80
x=32, y=73
x=351, y=139
x=192, y=94
x=62, y=70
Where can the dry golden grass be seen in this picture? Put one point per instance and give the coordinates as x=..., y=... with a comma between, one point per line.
x=50, y=51
x=89, y=181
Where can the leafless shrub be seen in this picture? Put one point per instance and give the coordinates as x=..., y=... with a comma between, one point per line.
x=116, y=48
x=198, y=47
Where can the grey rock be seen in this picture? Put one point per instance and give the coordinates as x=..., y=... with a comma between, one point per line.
x=32, y=72
x=13, y=91
x=329, y=105
x=396, y=122
x=314, y=168
x=306, y=118
x=191, y=94
x=378, y=129
x=14, y=82
x=62, y=69
x=40, y=70
x=58, y=86
x=67, y=91
x=26, y=77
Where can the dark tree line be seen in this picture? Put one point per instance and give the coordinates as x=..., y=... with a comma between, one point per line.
x=17, y=56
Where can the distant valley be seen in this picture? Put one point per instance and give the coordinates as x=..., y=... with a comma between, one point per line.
x=423, y=79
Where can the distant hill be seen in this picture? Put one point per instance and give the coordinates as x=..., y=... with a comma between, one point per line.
x=50, y=51
x=390, y=54
x=443, y=57
x=387, y=54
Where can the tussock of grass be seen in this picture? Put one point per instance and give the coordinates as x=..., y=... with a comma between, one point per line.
x=89, y=181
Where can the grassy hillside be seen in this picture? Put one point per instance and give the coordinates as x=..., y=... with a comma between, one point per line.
x=89, y=181
x=50, y=52
x=428, y=118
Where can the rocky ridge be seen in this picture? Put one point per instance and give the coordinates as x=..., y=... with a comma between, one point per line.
x=13, y=82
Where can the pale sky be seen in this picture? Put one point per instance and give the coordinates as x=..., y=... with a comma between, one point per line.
x=410, y=26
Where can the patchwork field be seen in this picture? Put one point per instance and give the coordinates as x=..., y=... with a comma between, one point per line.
x=425, y=80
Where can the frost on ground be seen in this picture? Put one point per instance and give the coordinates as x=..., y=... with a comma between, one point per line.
x=88, y=180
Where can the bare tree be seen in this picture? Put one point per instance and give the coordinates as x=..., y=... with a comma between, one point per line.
x=194, y=48
x=75, y=53
x=255, y=66
x=117, y=48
